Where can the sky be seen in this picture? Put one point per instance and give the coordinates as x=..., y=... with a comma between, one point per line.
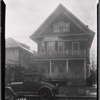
x=23, y=17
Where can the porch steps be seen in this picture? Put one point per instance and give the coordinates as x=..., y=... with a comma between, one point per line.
x=76, y=82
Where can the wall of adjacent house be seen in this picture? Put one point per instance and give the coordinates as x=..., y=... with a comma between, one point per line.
x=26, y=58
x=12, y=56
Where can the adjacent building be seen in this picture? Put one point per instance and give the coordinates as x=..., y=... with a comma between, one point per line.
x=64, y=44
x=18, y=56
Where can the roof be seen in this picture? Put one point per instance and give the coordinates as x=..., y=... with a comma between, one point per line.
x=54, y=14
x=12, y=43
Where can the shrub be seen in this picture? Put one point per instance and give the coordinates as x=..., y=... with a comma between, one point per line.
x=92, y=78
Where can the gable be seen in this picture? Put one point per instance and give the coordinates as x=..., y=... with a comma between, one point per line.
x=10, y=43
x=61, y=13
x=61, y=17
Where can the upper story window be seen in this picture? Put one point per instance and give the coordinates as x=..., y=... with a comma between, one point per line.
x=61, y=46
x=50, y=46
x=42, y=47
x=67, y=27
x=55, y=28
x=75, y=47
x=61, y=27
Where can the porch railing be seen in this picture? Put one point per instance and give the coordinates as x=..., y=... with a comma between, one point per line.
x=65, y=53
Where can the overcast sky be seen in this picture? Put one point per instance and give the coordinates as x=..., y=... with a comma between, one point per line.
x=23, y=17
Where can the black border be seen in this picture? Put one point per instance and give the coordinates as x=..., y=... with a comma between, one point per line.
x=3, y=8
x=98, y=55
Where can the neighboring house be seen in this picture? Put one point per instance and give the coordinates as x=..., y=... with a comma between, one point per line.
x=64, y=45
x=17, y=56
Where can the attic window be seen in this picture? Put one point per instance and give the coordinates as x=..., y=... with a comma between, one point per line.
x=67, y=27
x=61, y=27
x=55, y=28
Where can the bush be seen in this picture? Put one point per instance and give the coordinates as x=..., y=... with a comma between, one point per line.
x=92, y=78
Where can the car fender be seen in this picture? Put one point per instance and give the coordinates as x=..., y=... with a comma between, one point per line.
x=7, y=87
x=45, y=87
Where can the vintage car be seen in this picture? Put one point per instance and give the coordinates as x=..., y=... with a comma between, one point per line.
x=33, y=84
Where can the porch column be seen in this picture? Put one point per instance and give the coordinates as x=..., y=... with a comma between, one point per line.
x=84, y=68
x=50, y=68
x=67, y=66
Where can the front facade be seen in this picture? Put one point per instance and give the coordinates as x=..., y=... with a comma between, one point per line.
x=63, y=45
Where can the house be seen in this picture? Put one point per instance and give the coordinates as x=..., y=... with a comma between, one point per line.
x=64, y=44
x=18, y=57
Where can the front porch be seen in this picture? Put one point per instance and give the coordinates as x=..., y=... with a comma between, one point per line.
x=66, y=69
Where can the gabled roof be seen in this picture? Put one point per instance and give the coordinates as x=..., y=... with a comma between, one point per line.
x=54, y=14
x=11, y=43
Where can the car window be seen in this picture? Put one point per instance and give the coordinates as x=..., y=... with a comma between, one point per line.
x=28, y=79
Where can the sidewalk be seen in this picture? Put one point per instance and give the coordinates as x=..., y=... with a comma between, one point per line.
x=75, y=91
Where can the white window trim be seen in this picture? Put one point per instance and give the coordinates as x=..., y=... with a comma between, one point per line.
x=63, y=46
x=72, y=47
x=68, y=27
x=63, y=25
x=50, y=41
x=57, y=27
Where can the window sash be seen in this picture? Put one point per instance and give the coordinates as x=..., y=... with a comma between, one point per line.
x=55, y=28
x=51, y=46
x=61, y=46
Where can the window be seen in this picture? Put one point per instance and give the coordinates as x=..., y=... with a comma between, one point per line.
x=42, y=47
x=55, y=28
x=51, y=46
x=75, y=47
x=61, y=27
x=67, y=27
x=61, y=46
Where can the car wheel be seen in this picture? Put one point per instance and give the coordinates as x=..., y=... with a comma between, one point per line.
x=45, y=94
x=8, y=95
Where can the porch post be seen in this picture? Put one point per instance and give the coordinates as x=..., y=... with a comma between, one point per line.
x=84, y=68
x=50, y=68
x=67, y=66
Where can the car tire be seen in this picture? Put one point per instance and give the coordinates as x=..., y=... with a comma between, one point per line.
x=8, y=95
x=45, y=94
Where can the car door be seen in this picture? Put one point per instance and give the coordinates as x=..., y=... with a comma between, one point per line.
x=28, y=86
x=32, y=85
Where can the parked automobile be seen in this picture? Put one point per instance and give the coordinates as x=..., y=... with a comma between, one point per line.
x=33, y=84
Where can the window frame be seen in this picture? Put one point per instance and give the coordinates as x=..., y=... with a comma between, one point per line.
x=42, y=47
x=48, y=46
x=61, y=26
x=59, y=45
x=67, y=27
x=73, y=48
x=55, y=29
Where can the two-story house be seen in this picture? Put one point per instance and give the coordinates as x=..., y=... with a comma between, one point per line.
x=18, y=56
x=64, y=45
